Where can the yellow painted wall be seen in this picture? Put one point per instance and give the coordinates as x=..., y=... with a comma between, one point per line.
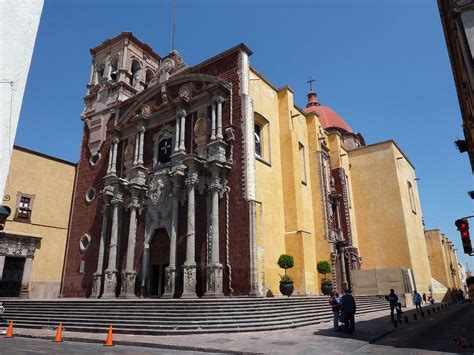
x=437, y=256
x=390, y=235
x=51, y=181
x=284, y=206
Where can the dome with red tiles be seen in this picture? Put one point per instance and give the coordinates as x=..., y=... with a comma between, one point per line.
x=327, y=116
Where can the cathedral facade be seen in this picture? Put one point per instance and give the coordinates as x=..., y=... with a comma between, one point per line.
x=192, y=181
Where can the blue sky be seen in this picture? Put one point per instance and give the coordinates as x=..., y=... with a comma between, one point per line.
x=382, y=65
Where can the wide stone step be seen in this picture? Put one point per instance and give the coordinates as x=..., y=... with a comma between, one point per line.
x=170, y=318
x=138, y=311
x=178, y=309
x=178, y=316
x=146, y=330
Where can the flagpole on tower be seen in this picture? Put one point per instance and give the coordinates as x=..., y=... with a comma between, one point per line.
x=174, y=27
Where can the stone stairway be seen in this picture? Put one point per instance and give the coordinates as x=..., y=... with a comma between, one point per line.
x=165, y=316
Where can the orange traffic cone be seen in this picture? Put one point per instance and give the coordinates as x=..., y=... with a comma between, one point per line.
x=9, y=330
x=58, y=338
x=109, y=341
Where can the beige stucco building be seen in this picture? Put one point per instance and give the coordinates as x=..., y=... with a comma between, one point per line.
x=444, y=264
x=39, y=192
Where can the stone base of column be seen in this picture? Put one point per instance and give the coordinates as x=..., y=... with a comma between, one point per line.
x=214, y=281
x=25, y=294
x=255, y=293
x=110, y=284
x=96, y=285
x=216, y=150
x=189, y=281
x=128, y=284
x=170, y=276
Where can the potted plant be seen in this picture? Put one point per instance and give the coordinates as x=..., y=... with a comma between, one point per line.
x=286, y=282
x=324, y=268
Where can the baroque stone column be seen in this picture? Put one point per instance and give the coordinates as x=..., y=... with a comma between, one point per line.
x=141, y=139
x=213, y=121
x=215, y=268
x=110, y=279
x=129, y=275
x=97, y=280
x=176, y=137
x=112, y=167
x=219, y=101
x=182, y=115
x=170, y=271
x=189, y=267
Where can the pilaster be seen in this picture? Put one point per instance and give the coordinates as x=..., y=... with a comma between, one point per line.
x=97, y=278
x=189, y=267
x=110, y=279
x=129, y=274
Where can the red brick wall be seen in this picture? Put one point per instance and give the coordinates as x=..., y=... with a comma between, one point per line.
x=87, y=218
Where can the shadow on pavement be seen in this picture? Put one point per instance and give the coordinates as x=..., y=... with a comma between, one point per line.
x=435, y=331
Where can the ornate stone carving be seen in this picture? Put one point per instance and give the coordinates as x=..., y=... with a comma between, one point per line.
x=19, y=246
x=170, y=275
x=134, y=203
x=159, y=189
x=215, y=185
x=186, y=91
x=129, y=152
x=189, y=284
x=191, y=182
x=167, y=65
x=145, y=110
x=214, y=280
x=201, y=127
x=137, y=176
x=128, y=284
x=110, y=284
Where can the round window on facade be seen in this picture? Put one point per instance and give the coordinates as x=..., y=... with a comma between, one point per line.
x=84, y=242
x=94, y=159
x=90, y=194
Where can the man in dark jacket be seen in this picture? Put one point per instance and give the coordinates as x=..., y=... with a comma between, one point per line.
x=393, y=300
x=348, y=309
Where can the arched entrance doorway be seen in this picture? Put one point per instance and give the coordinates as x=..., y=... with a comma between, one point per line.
x=159, y=260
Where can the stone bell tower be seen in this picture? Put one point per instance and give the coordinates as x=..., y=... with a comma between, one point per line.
x=121, y=68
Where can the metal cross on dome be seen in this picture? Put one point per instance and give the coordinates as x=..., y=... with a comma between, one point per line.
x=310, y=82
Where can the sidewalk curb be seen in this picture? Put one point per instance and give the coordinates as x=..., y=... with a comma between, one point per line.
x=139, y=344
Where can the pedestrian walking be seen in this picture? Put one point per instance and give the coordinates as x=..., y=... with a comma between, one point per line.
x=417, y=299
x=424, y=297
x=393, y=301
x=335, y=303
x=348, y=309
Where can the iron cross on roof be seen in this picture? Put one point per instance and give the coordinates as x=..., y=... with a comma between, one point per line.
x=310, y=82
